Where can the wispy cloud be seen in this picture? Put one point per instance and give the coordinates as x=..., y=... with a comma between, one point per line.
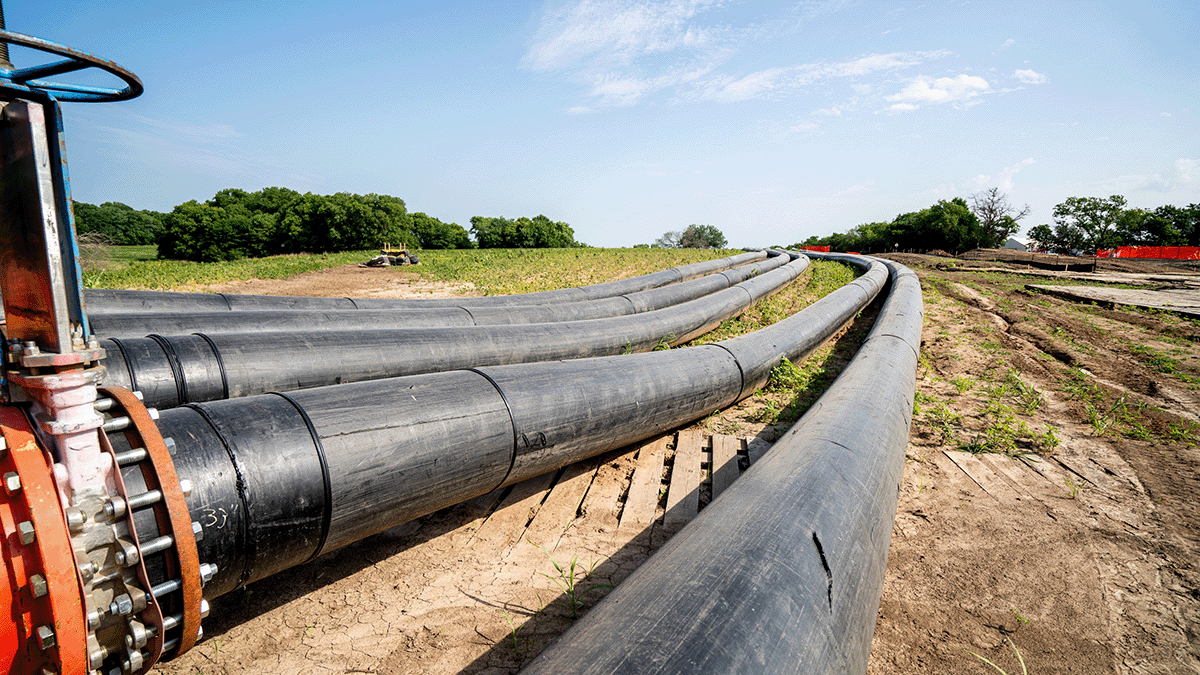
x=773, y=82
x=624, y=51
x=1030, y=77
x=1004, y=45
x=1003, y=180
x=961, y=90
x=1182, y=173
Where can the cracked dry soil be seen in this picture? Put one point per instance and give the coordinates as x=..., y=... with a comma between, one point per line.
x=1083, y=554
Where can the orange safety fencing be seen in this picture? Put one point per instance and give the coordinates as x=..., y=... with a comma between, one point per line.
x=818, y=249
x=1153, y=252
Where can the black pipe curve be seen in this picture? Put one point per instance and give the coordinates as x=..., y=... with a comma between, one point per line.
x=403, y=447
x=140, y=323
x=783, y=572
x=205, y=367
x=102, y=301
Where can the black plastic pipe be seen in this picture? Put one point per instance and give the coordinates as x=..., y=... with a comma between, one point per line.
x=281, y=478
x=173, y=370
x=103, y=301
x=782, y=573
x=137, y=324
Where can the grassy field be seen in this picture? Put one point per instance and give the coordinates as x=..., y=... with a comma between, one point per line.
x=493, y=271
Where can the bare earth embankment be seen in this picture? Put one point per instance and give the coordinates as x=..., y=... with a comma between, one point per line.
x=1072, y=532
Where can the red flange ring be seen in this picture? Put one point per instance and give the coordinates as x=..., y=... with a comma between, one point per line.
x=42, y=623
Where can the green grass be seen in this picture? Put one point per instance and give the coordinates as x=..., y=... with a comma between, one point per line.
x=492, y=271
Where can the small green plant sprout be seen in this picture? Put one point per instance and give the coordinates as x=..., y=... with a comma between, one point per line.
x=664, y=343
x=1189, y=434
x=963, y=384
x=520, y=644
x=787, y=377
x=1021, y=621
x=1024, y=670
x=1073, y=488
x=572, y=579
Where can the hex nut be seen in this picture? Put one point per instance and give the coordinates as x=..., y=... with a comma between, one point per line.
x=121, y=605
x=198, y=530
x=12, y=482
x=45, y=637
x=28, y=535
x=37, y=585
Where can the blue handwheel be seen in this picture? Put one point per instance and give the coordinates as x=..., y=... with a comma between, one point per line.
x=28, y=82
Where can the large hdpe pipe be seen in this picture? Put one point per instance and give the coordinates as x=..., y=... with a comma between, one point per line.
x=137, y=324
x=281, y=478
x=782, y=573
x=102, y=301
x=192, y=368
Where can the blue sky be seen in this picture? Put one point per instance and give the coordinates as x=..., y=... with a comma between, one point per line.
x=773, y=121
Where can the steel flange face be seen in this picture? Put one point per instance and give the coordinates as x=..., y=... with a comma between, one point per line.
x=39, y=588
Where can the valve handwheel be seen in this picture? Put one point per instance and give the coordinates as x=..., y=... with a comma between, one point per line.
x=26, y=82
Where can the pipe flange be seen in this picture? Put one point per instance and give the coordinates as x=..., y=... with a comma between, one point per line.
x=180, y=597
x=38, y=588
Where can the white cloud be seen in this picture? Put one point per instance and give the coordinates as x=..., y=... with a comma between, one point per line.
x=624, y=51
x=774, y=81
x=1030, y=77
x=959, y=90
x=1003, y=180
x=1182, y=173
x=1005, y=45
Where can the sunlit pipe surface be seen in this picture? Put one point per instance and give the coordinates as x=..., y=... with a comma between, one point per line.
x=782, y=573
x=101, y=301
x=138, y=324
x=193, y=368
x=281, y=478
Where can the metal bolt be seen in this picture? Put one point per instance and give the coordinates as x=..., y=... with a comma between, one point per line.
x=137, y=636
x=87, y=570
x=185, y=486
x=25, y=528
x=37, y=584
x=96, y=657
x=170, y=443
x=134, y=663
x=3, y=445
x=198, y=530
x=203, y=608
x=45, y=637
x=121, y=605
x=199, y=633
x=207, y=570
x=116, y=424
x=153, y=412
x=128, y=555
x=75, y=519
x=114, y=507
x=131, y=456
x=32, y=349
x=12, y=483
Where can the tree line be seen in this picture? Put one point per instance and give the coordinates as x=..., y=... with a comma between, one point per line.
x=1082, y=224
x=239, y=224
x=1090, y=223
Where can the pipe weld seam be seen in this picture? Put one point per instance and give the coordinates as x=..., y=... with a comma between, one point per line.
x=474, y=322
x=164, y=344
x=512, y=462
x=240, y=482
x=228, y=304
x=326, y=480
x=741, y=370
x=220, y=365
x=353, y=303
x=133, y=385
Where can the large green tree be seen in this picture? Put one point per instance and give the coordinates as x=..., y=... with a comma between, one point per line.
x=997, y=216
x=1095, y=219
x=118, y=223
x=694, y=236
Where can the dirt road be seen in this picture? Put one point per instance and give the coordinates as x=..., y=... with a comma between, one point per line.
x=1072, y=536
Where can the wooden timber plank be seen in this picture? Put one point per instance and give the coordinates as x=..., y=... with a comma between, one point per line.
x=724, y=462
x=600, y=504
x=642, y=500
x=559, y=509
x=507, y=523
x=984, y=477
x=683, y=495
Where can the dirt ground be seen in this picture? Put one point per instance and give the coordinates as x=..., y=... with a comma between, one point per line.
x=1068, y=536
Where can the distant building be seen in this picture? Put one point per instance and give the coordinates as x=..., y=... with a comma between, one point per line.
x=1014, y=244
